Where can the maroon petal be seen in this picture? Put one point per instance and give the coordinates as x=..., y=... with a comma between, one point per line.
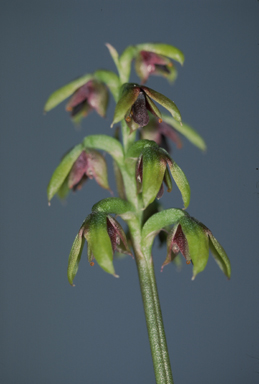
x=78, y=97
x=152, y=58
x=78, y=171
x=117, y=236
x=169, y=132
x=178, y=242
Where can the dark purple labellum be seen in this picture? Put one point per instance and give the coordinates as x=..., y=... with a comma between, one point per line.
x=139, y=110
x=179, y=242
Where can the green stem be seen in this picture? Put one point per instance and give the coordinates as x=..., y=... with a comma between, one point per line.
x=153, y=314
x=145, y=268
x=154, y=322
x=127, y=138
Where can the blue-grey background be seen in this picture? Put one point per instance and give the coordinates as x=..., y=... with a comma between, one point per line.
x=96, y=333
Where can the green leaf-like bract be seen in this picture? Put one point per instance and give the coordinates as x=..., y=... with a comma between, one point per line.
x=110, y=79
x=125, y=62
x=181, y=182
x=186, y=131
x=62, y=171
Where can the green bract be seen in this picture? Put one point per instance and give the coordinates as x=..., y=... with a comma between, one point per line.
x=186, y=131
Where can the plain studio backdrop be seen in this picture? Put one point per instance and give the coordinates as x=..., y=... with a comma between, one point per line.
x=96, y=333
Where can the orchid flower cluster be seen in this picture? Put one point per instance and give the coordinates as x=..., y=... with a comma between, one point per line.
x=142, y=165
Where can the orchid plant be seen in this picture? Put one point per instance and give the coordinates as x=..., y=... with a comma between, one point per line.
x=142, y=166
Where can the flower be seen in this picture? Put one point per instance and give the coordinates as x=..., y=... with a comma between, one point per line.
x=104, y=236
x=77, y=166
x=90, y=164
x=150, y=63
x=193, y=239
x=92, y=95
x=152, y=172
x=135, y=103
x=159, y=133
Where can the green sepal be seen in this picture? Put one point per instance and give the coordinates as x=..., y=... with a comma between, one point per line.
x=168, y=181
x=114, y=205
x=164, y=101
x=99, y=241
x=110, y=79
x=125, y=62
x=64, y=189
x=62, y=171
x=137, y=148
x=128, y=95
x=153, y=174
x=181, y=182
x=186, y=131
x=161, y=220
x=219, y=255
x=75, y=256
x=64, y=92
x=162, y=49
x=105, y=143
x=154, y=107
x=198, y=244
